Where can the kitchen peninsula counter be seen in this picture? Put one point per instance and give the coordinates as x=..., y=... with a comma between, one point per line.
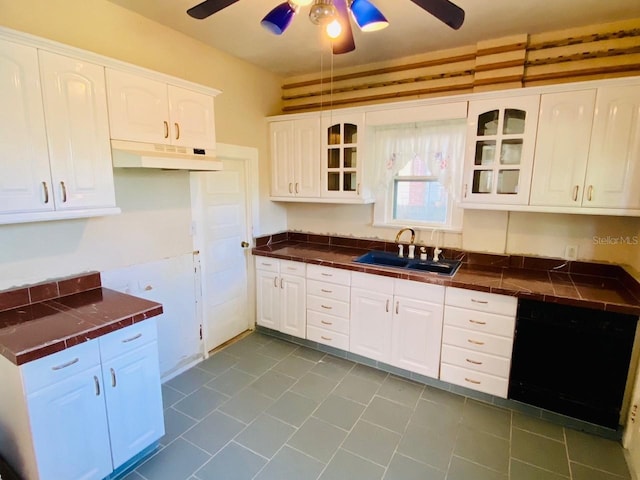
x=581, y=284
x=42, y=319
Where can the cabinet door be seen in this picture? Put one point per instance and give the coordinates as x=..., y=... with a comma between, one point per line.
x=268, y=299
x=75, y=107
x=25, y=183
x=417, y=336
x=501, y=136
x=282, y=154
x=341, y=171
x=134, y=402
x=138, y=108
x=370, y=324
x=306, y=157
x=69, y=428
x=613, y=171
x=293, y=306
x=192, y=119
x=562, y=148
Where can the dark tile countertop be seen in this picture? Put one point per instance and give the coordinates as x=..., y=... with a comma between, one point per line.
x=42, y=319
x=591, y=285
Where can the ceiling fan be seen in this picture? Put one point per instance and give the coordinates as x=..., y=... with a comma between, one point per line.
x=334, y=16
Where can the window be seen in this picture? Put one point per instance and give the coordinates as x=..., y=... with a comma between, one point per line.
x=419, y=167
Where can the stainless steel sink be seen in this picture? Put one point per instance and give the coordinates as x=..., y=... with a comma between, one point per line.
x=386, y=259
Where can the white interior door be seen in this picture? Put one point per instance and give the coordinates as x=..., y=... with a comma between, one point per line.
x=222, y=235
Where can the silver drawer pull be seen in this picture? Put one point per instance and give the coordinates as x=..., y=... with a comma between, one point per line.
x=475, y=342
x=326, y=291
x=474, y=362
x=327, y=274
x=97, y=384
x=483, y=302
x=326, y=307
x=475, y=382
x=113, y=377
x=266, y=264
x=326, y=338
x=477, y=322
x=65, y=365
x=292, y=268
x=135, y=337
x=326, y=323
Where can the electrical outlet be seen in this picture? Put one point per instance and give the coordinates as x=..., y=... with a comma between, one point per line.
x=571, y=252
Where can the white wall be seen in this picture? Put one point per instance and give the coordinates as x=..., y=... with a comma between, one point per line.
x=156, y=214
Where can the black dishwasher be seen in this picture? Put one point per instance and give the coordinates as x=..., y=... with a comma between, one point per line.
x=572, y=360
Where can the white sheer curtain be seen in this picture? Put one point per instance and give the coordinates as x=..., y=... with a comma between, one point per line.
x=439, y=144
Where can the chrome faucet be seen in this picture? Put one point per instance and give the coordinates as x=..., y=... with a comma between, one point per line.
x=406, y=229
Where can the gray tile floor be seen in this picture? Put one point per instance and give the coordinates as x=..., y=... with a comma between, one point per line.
x=266, y=409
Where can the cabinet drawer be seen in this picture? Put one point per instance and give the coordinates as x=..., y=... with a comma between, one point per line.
x=328, y=274
x=327, y=337
x=482, y=301
x=328, y=306
x=328, y=290
x=477, y=341
x=292, y=268
x=475, y=380
x=479, y=321
x=480, y=362
x=267, y=264
x=59, y=366
x=127, y=339
x=328, y=322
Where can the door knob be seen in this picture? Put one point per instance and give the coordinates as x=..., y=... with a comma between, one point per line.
x=244, y=244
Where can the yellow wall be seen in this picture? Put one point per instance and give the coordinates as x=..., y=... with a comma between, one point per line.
x=156, y=207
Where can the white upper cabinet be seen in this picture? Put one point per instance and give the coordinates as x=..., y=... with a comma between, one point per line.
x=75, y=108
x=25, y=183
x=342, y=155
x=501, y=136
x=613, y=172
x=295, y=158
x=150, y=111
x=562, y=148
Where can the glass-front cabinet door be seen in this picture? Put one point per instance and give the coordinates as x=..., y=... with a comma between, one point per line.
x=341, y=156
x=501, y=137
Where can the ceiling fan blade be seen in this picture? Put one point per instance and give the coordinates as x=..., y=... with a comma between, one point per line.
x=443, y=10
x=209, y=7
x=344, y=43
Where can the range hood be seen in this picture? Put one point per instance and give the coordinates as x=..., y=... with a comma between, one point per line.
x=168, y=157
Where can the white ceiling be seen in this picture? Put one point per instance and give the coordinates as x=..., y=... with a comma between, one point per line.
x=236, y=29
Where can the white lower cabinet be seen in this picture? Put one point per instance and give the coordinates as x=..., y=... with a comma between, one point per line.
x=328, y=303
x=398, y=322
x=477, y=340
x=83, y=412
x=281, y=295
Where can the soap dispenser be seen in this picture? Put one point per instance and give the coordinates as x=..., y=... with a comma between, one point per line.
x=423, y=254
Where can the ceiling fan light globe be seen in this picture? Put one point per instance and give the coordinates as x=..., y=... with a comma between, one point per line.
x=367, y=16
x=278, y=19
x=322, y=12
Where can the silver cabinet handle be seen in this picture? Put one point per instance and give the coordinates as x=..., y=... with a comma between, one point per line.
x=290, y=187
x=477, y=322
x=475, y=382
x=46, y=192
x=483, y=302
x=325, y=338
x=575, y=193
x=326, y=291
x=97, y=384
x=465, y=190
x=326, y=323
x=358, y=189
x=475, y=342
x=281, y=283
x=65, y=365
x=297, y=187
x=590, y=193
x=474, y=362
x=113, y=377
x=275, y=282
x=177, y=130
x=397, y=307
x=135, y=337
x=265, y=264
x=387, y=307
x=64, y=192
x=327, y=274
x=166, y=129
x=326, y=307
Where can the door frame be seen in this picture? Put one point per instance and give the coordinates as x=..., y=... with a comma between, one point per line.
x=249, y=157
